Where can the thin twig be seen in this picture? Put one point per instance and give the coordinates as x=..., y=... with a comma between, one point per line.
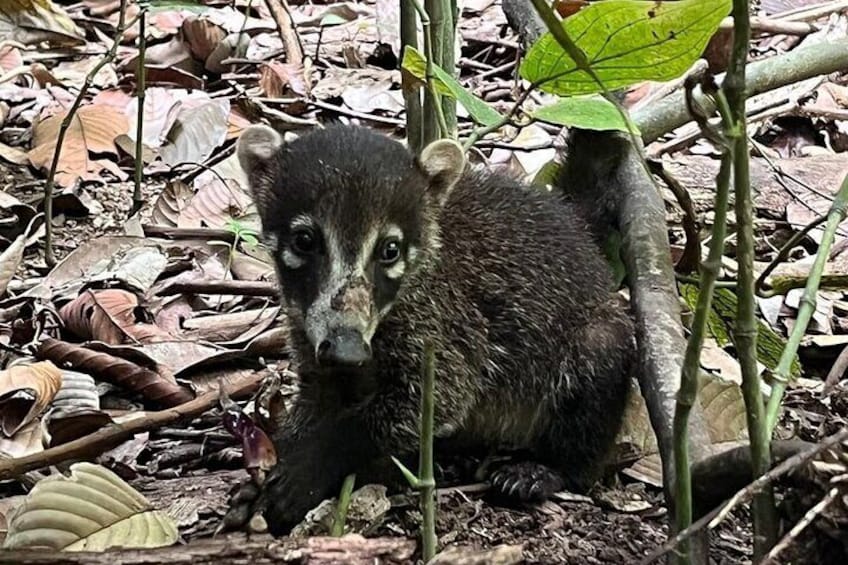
x=783, y=254
x=141, y=73
x=718, y=515
x=49, y=257
x=782, y=373
x=802, y=524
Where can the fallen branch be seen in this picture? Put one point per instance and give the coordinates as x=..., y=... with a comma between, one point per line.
x=291, y=41
x=233, y=287
x=256, y=550
x=108, y=437
x=717, y=516
x=762, y=76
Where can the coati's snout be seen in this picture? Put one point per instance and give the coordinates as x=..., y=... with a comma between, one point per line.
x=348, y=228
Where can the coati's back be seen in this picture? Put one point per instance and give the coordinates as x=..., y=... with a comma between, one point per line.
x=377, y=252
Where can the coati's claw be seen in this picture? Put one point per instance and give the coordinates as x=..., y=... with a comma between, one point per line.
x=242, y=507
x=526, y=482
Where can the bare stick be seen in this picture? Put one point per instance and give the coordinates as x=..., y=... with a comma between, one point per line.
x=141, y=73
x=113, y=434
x=291, y=41
x=802, y=524
x=717, y=516
x=49, y=256
x=234, y=287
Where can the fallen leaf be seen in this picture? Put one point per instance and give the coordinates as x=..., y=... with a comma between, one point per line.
x=201, y=36
x=13, y=154
x=91, y=510
x=215, y=204
x=109, y=316
x=10, y=57
x=25, y=391
x=27, y=440
x=78, y=390
x=32, y=21
x=93, y=129
x=278, y=79
x=134, y=261
x=196, y=133
x=126, y=374
x=175, y=198
x=61, y=425
x=10, y=260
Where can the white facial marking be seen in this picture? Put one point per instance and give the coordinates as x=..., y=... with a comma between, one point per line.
x=291, y=259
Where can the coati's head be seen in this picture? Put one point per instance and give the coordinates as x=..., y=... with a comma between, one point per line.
x=351, y=215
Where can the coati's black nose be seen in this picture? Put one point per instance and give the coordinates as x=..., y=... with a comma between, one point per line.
x=346, y=347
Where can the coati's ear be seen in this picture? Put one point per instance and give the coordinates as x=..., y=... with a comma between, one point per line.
x=443, y=161
x=256, y=148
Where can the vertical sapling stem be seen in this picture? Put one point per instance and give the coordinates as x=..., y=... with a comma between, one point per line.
x=341, y=509
x=141, y=75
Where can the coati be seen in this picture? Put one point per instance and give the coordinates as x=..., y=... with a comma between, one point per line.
x=378, y=251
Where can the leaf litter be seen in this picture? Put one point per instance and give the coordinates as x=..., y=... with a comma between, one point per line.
x=126, y=349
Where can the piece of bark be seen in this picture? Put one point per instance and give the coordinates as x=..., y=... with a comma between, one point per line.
x=237, y=550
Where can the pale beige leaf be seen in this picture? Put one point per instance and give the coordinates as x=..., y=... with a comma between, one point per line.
x=10, y=260
x=33, y=21
x=78, y=390
x=12, y=154
x=196, y=133
x=25, y=391
x=91, y=510
x=214, y=205
x=26, y=441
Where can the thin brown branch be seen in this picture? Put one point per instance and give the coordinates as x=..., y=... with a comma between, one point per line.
x=234, y=287
x=291, y=40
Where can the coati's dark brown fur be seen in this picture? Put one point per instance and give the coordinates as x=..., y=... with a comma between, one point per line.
x=532, y=351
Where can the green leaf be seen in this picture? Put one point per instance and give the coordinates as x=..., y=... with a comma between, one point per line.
x=584, y=112
x=416, y=65
x=410, y=477
x=625, y=41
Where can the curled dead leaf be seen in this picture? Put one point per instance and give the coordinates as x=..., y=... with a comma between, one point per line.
x=91, y=510
x=171, y=202
x=25, y=391
x=152, y=386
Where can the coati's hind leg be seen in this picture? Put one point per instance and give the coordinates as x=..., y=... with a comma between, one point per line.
x=595, y=378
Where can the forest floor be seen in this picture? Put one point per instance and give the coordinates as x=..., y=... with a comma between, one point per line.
x=196, y=205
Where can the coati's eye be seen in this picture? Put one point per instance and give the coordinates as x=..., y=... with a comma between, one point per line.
x=304, y=242
x=390, y=251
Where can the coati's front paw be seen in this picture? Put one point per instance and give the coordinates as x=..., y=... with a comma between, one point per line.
x=526, y=481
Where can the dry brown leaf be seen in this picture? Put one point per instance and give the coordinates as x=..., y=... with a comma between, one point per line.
x=13, y=154
x=278, y=79
x=100, y=315
x=114, y=370
x=25, y=391
x=94, y=129
x=33, y=21
x=171, y=202
x=63, y=425
x=214, y=205
x=202, y=36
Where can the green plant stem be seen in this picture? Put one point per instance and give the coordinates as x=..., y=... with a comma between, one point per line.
x=427, y=482
x=433, y=129
x=49, y=256
x=341, y=509
x=784, y=252
x=688, y=392
x=141, y=75
x=411, y=94
x=445, y=36
x=782, y=373
x=763, y=509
